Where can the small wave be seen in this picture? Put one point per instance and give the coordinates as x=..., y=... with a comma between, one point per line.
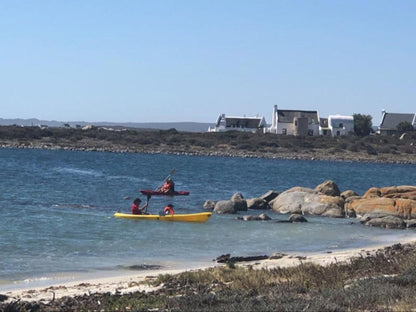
x=79, y=171
x=80, y=206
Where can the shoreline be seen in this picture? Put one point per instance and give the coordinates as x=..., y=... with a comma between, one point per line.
x=282, y=155
x=131, y=282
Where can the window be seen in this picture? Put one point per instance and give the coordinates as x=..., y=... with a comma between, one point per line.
x=284, y=131
x=341, y=125
x=310, y=132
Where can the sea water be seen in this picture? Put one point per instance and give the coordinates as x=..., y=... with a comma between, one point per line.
x=57, y=211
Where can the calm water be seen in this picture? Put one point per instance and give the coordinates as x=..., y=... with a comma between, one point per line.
x=57, y=208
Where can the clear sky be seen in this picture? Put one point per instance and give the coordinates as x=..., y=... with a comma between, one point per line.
x=162, y=61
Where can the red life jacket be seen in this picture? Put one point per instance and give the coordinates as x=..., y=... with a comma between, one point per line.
x=168, y=210
x=135, y=209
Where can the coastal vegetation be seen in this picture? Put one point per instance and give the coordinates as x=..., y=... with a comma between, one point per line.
x=352, y=147
x=382, y=281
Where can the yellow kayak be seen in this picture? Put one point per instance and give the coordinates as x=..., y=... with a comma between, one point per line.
x=191, y=217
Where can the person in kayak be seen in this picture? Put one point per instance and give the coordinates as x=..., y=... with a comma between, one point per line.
x=168, y=187
x=136, y=209
x=169, y=210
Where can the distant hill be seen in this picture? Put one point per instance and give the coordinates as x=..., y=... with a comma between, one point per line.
x=180, y=126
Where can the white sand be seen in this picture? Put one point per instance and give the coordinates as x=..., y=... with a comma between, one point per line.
x=138, y=281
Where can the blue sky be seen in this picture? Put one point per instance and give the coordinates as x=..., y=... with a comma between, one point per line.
x=144, y=61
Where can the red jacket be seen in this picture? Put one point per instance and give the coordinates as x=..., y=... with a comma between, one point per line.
x=168, y=210
x=135, y=209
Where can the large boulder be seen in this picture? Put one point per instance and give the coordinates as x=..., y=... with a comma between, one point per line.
x=372, y=192
x=405, y=207
x=400, y=207
x=329, y=188
x=364, y=205
x=305, y=201
x=324, y=205
x=349, y=193
x=401, y=191
x=269, y=196
x=209, y=205
x=225, y=206
x=257, y=203
x=388, y=222
x=239, y=202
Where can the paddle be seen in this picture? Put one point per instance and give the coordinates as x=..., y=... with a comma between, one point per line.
x=147, y=203
x=164, y=180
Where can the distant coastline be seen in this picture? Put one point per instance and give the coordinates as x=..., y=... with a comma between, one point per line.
x=374, y=149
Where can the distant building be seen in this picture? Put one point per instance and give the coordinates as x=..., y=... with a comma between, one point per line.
x=324, y=127
x=390, y=121
x=336, y=125
x=246, y=124
x=294, y=122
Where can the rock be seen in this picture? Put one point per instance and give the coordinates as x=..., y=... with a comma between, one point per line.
x=329, y=206
x=388, y=222
x=329, y=188
x=401, y=191
x=372, y=192
x=277, y=255
x=372, y=215
x=239, y=202
x=404, y=207
x=410, y=223
x=264, y=217
x=297, y=218
x=399, y=207
x=350, y=213
x=261, y=217
x=269, y=196
x=300, y=189
x=257, y=203
x=225, y=206
x=364, y=205
x=209, y=205
x=306, y=201
x=348, y=194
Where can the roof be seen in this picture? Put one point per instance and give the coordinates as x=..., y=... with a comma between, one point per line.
x=287, y=116
x=391, y=120
x=241, y=122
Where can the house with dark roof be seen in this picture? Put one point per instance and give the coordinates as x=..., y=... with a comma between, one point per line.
x=246, y=124
x=390, y=121
x=294, y=122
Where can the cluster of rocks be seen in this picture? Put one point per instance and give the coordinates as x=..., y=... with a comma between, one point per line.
x=389, y=207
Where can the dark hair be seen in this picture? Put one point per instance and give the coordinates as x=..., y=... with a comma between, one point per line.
x=137, y=200
x=170, y=205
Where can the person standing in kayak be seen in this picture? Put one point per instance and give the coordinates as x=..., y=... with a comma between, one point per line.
x=136, y=209
x=169, y=210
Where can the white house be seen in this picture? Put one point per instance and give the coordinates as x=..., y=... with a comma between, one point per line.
x=246, y=124
x=339, y=125
x=294, y=122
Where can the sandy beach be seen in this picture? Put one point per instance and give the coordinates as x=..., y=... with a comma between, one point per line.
x=138, y=281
